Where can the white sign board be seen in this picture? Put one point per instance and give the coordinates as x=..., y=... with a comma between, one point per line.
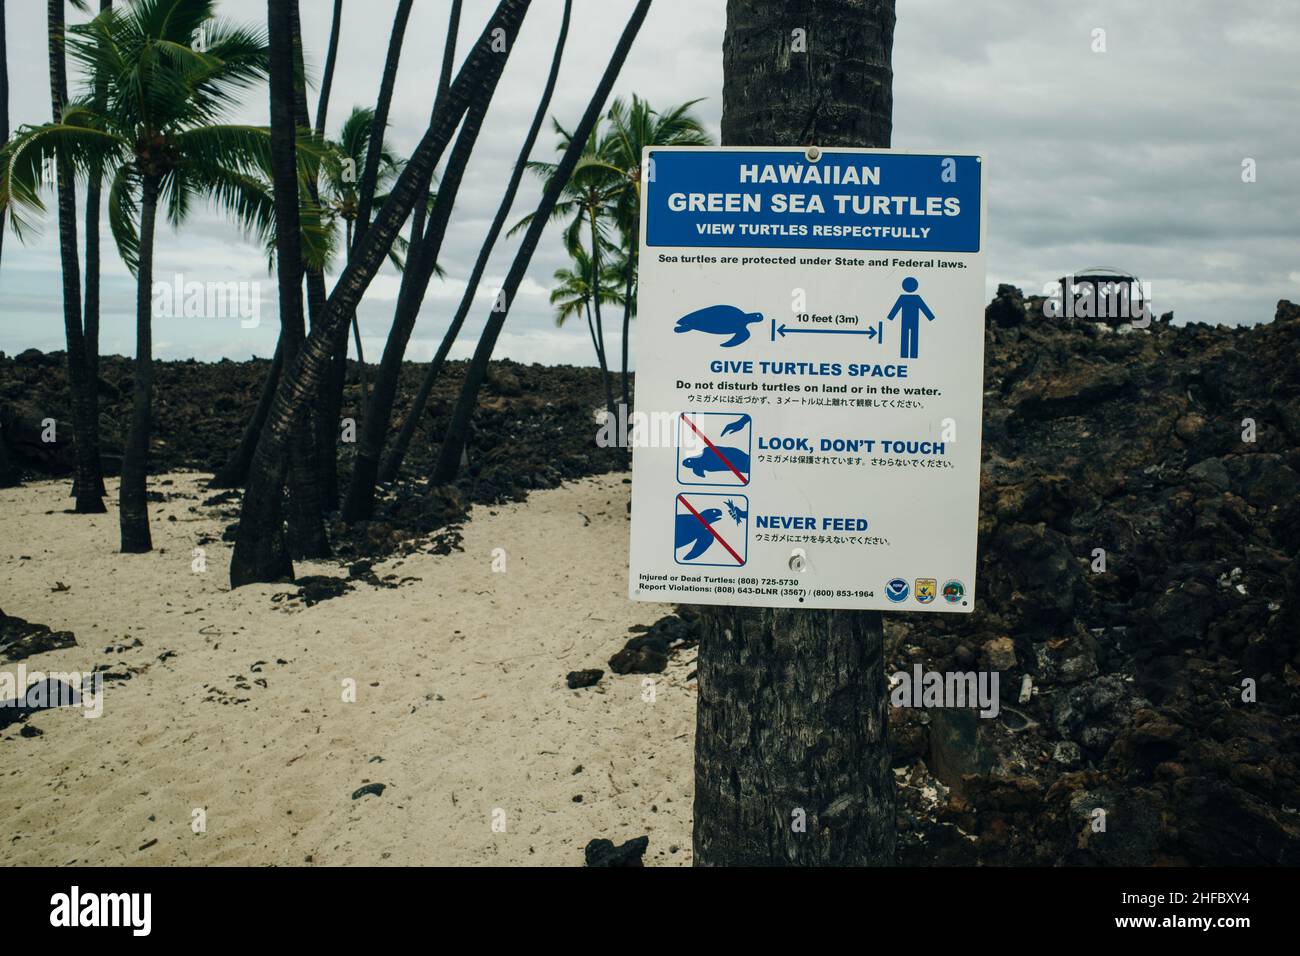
x=809, y=377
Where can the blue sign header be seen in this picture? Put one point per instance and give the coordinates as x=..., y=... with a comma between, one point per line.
x=845, y=200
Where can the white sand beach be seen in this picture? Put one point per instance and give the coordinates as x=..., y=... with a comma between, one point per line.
x=235, y=702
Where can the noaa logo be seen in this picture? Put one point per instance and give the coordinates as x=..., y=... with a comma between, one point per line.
x=954, y=592
x=926, y=589
x=897, y=590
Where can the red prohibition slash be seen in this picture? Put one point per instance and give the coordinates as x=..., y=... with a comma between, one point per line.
x=700, y=518
x=721, y=456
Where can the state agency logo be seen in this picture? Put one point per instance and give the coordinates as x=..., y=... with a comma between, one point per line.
x=897, y=590
x=926, y=589
x=954, y=592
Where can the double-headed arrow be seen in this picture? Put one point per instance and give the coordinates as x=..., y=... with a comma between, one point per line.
x=876, y=331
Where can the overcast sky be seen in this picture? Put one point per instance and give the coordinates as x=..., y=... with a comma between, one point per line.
x=1130, y=157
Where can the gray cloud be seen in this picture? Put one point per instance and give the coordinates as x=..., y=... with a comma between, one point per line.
x=1130, y=157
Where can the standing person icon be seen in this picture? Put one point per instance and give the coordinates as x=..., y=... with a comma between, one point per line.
x=911, y=306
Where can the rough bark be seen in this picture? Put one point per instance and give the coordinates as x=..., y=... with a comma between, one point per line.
x=449, y=455
x=791, y=746
x=86, y=481
x=133, y=502
x=838, y=93
x=259, y=552
x=393, y=461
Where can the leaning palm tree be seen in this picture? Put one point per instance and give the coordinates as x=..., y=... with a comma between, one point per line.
x=449, y=454
x=158, y=141
x=393, y=460
x=259, y=553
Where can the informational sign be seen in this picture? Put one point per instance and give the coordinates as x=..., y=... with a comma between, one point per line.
x=809, y=378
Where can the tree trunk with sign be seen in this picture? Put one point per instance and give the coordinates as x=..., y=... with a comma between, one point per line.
x=791, y=753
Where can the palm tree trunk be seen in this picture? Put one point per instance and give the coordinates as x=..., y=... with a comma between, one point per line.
x=362, y=374
x=234, y=472
x=595, y=298
x=327, y=415
x=86, y=481
x=306, y=530
x=421, y=258
x=792, y=713
x=629, y=271
x=327, y=77
x=370, y=175
x=4, y=109
x=360, y=502
x=453, y=446
x=366, y=193
x=397, y=453
x=94, y=192
x=259, y=553
x=595, y=341
x=132, y=494
x=312, y=491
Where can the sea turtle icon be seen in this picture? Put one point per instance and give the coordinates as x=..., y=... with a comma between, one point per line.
x=720, y=320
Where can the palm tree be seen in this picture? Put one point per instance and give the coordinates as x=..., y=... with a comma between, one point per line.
x=234, y=472
x=4, y=109
x=370, y=173
x=632, y=128
x=392, y=462
x=453, y=446
x=341, y=201
x=750, y=657
x=588, y=200
x=340, y=191
x=85, y=485
x=337, y=202
x=259, y=553
x=359, y=503
x=294, y=193
x=158, y=141
x=90, y=327
x=572, y=292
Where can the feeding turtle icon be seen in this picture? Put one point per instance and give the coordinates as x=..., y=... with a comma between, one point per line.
x=695, y=532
